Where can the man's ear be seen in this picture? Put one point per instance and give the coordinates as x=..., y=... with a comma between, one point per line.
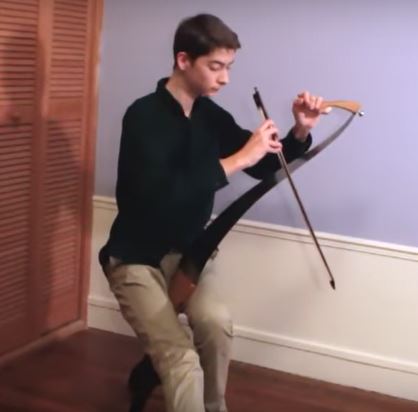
x=183, y=60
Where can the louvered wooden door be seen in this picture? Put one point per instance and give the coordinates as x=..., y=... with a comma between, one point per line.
x=18, y=49
x=47, y=72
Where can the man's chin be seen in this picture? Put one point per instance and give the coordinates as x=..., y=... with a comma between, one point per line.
x=211, y=92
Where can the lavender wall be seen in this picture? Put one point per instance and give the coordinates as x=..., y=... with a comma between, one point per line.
x=364, y=185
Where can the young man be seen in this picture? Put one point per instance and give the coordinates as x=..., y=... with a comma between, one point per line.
x=177, y=149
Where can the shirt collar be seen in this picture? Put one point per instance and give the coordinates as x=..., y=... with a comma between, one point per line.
x=170, y=100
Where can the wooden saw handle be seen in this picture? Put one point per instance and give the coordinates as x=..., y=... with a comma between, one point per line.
x=349, y=105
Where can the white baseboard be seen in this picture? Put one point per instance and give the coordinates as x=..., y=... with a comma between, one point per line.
x=335, y=365
x=287, y=318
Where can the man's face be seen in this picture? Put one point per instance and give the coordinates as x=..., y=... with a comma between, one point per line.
x=207, y=74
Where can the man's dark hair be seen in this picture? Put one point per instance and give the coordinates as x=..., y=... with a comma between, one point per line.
x=201, y=34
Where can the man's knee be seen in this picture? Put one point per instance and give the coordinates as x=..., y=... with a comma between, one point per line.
x=178, y=362
x=215, y=323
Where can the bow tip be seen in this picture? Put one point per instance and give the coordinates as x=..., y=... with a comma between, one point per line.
x=332, y=283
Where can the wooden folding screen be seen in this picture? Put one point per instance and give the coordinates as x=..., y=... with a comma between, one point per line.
x=48, y=59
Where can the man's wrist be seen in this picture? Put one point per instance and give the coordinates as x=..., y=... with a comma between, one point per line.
x=234, y=163
x=301, y=133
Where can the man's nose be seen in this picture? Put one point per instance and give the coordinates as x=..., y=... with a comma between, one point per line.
x=224, y=77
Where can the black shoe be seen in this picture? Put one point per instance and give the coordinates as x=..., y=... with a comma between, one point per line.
x=142, y=381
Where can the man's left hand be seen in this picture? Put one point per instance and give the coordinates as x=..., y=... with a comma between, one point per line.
x=306, y=110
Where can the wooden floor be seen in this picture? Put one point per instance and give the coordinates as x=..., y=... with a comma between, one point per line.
x=88, y=372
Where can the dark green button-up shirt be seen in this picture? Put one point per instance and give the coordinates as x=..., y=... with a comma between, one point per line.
x=169, y=171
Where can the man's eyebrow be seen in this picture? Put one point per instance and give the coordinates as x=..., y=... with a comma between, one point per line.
x=221, y=63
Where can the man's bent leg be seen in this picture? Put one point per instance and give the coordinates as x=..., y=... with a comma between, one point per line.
x=212, y=329
x=142, y=295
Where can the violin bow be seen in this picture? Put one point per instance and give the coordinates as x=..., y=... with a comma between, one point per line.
x=350, y=106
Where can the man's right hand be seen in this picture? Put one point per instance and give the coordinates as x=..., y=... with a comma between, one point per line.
x=264, y=140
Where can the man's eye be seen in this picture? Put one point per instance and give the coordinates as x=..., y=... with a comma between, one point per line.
x=215, y=68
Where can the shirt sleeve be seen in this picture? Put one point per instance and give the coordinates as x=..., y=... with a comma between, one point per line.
x=234, y=138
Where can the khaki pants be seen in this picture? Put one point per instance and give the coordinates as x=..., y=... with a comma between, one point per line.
x=193, y=371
